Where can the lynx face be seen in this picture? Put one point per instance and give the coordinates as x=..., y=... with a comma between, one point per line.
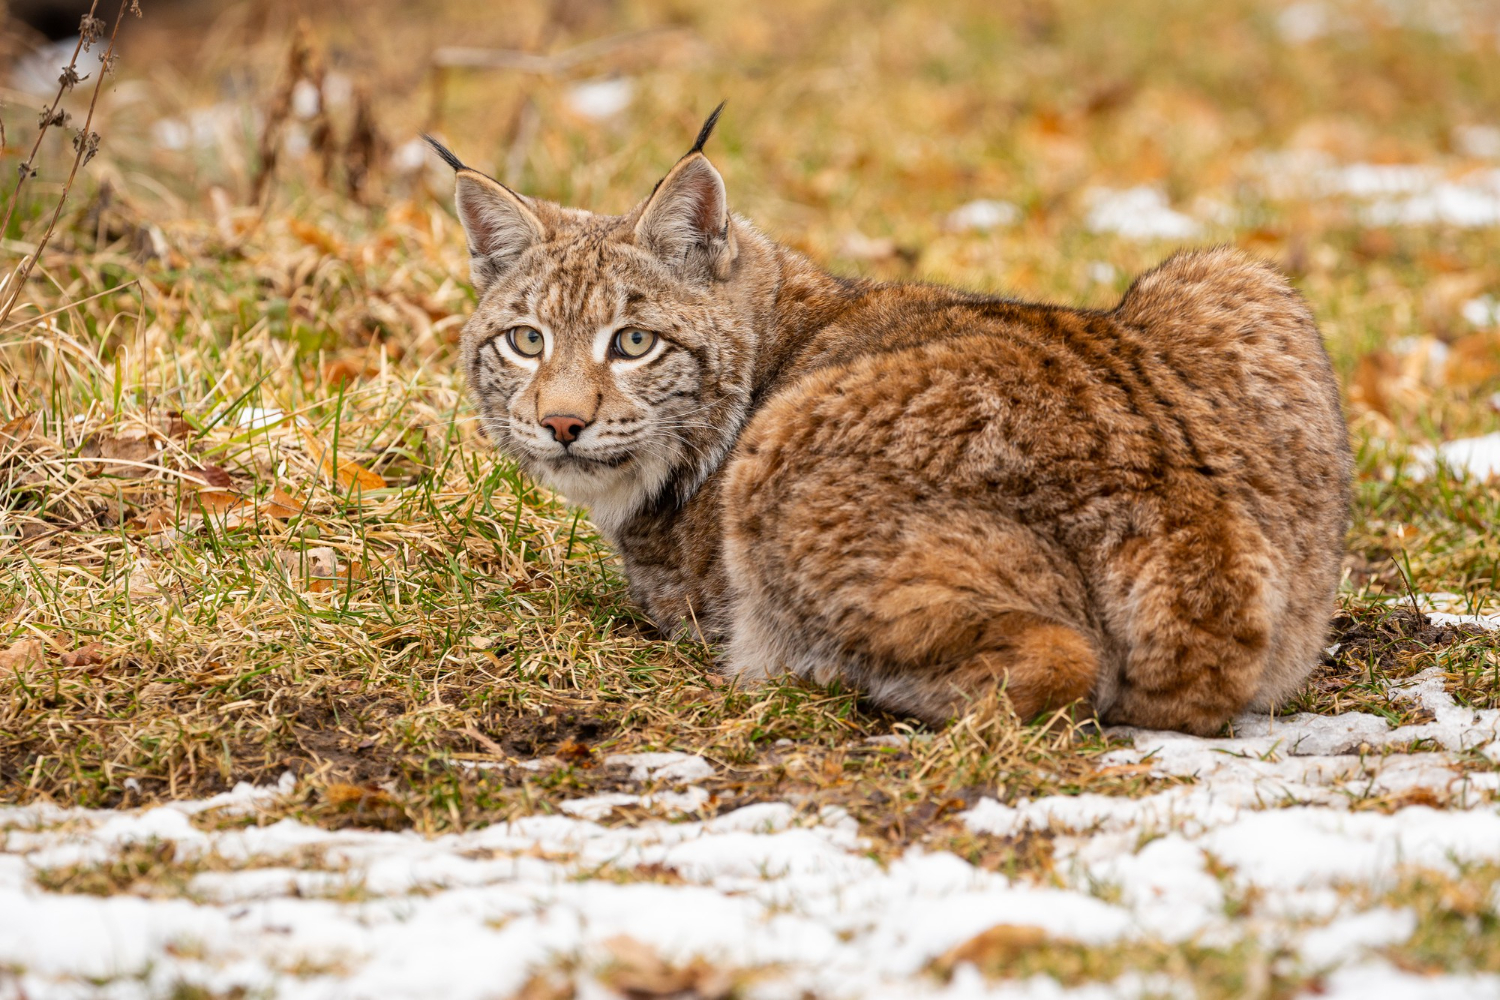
x=599, y=357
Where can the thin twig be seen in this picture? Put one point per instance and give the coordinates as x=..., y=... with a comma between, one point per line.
x=78, y=302
x=65, y=82
x=1410, y=590
x=86, y=143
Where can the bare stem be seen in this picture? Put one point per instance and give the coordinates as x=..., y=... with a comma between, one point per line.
x=86, y=145
x=65, y=83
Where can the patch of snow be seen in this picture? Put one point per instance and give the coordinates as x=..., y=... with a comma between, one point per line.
x=1482, y=142
x=171, y=133
x=296, y=141
x=204, y=128
x=1102, y=272
x=1347, y=937
x=37, y=72
x=1303, y=22
x=411, y=156
x=1369, y=180
x=1483, y=311
x=672, y=803
x=1381, y=979
x=1442, y=17
x=600, y=98
x=1460, y=21
x=1138, y=213
x=679, y=767
x=983, y=214
x=1472, y=202
x=338, y=88
x=1477, y=457
x=307, y=100
x=1393, y=194
x=259, y=417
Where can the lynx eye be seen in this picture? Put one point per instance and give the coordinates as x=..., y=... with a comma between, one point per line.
x=633, y=343
x=524, y=340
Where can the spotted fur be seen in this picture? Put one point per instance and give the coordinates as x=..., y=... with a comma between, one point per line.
x=921, y=492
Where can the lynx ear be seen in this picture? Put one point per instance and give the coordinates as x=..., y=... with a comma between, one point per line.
x=685, y=222
x=497, y=221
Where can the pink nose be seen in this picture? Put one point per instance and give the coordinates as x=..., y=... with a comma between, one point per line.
x=564, y=426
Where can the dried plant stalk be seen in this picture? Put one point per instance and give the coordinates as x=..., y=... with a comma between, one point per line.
x=66, y=81
x=303, y=63
x=85, y=143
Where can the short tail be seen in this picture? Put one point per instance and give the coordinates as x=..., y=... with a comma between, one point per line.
x=1213, y=289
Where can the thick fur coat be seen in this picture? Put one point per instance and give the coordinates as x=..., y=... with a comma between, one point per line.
x=924, y=493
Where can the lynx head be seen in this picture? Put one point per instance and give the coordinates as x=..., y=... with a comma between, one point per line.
x=609, y=355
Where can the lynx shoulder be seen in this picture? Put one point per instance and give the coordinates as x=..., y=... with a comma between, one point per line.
x=921, y=492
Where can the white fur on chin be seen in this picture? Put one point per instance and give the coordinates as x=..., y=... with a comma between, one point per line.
x=612, y=496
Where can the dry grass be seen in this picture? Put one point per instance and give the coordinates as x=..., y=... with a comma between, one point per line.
x=247, y=523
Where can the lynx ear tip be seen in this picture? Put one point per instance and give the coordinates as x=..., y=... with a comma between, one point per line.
x=446, y=153
x=707, y=129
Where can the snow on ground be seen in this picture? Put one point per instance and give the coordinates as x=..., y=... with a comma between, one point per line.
x=1477, y=456
x=289, y=910
x=1138, y=213
x=1389, y=194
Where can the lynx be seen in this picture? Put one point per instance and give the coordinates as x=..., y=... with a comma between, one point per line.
x=923, y=493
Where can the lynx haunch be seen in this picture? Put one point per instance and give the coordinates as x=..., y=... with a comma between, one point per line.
x=922, y=492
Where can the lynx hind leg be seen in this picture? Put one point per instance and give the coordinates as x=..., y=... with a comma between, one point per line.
x=923, y=622
x=1040, y=665
x=1197, y=610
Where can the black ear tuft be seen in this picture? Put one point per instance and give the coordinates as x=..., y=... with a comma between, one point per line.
x=455, y=162
x=703, y=133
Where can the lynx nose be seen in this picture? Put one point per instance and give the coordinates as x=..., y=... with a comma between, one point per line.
x=564, y=426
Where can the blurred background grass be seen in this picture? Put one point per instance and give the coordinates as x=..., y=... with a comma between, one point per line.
x=854, y=130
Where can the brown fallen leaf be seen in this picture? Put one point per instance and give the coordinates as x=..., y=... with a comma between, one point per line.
x=345, y=795
x=349, y=473
x=342, y=370
x=319, y=569
x=21, y=653
x=247, y=510
x=1386, y=382
x=158, y=519
x=366, y=805
x=215, y=477
x=176, y=426
x=638, y=971
x=88, y=655
x=121, y=457
x=20, y=428
x=219, y=501
x=155, y=692
x=575, y=753
x=1473, y=361
x=236, y=509
x=281, y=504
x=315, y=236
x=311, y=564
x=992, y=950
